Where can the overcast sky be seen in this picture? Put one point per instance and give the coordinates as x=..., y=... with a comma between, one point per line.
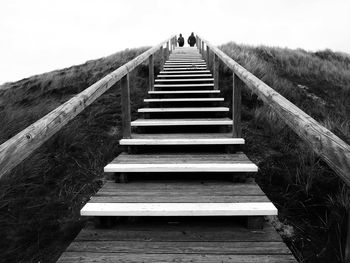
x=37, y=36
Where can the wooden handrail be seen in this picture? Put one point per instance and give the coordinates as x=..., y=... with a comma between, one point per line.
x=20, y=146
x=334, y=151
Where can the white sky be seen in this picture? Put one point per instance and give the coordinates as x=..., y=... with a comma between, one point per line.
x=37, y=36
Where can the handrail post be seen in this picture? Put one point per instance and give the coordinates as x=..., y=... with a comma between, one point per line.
x=167, y=50
x=216, y=71
x=151, y=72
x=125, y=101
x=208, y=57
x=202, y=45
x=175, y=42
x=161, y=58
x=236, y=107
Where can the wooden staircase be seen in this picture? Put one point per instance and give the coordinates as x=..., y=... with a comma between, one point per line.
x=185, y=178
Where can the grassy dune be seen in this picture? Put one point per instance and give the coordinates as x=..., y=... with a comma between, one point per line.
x=40, y=200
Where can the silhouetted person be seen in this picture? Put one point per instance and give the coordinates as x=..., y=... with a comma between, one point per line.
x=181, y=41
x=191, y=40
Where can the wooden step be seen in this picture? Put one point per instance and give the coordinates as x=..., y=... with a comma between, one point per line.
x=179, y=192
x=162, y=92
x=181, y=122
x=184, y=65
x=181, y=162
x=183, y=109
x=184, y=80
x=183, y=85
x=185, y=72
x=184, y=60
x=183, y=139
x=196, y=240
x=184, y=68
x=184, y=75
x=179, y=209
x=184, y=100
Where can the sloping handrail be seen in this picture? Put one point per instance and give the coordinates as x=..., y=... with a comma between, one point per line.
x=20, y=146
x=334, y=151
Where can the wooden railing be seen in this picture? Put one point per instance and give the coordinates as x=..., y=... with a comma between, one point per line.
x=20, y=146
x=334, y=151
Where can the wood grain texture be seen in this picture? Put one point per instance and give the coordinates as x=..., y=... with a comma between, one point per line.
x=125, y=109
x=181, y=122
x=151, y=72
x=185, y=109
x=334, y=151
x=236, y=108
x=179, y=209
x=20, y=146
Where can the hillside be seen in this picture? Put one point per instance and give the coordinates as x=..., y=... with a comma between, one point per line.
x=40, y=201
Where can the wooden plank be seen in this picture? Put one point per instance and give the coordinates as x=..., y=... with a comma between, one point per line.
x=182, y=99
x=184, y=72
x=20, y=146
x=151, y=73
x=216, y=71
x=221, y=248
x=182, y=141
x=181, y=122
x=184, y=75
x=183, y=85
x=213, y=230
x=236, y=108
x=334, y=151
x=189, y=187
x=162, y=92
x=185, y=109
x=181, y=163
x=125, y=109
x=179, y=209
x=184, y=80
x=88, y=257
x=179, y=198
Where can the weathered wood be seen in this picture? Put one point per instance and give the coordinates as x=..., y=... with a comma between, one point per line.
x=202, y=49
x=184, y=109
x=151, y=73
x=236, y=108
x=334, y=151
x=161, y=52
x=216, y=71
x=125, y=103
x=20, y=146
x=181, y=122
x=167, y=50
x=255, y=222
x=183, y=99
x=208, y=57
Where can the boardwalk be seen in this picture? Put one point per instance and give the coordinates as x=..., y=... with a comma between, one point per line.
x=184, y=181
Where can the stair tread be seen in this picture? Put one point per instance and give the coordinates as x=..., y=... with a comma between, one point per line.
x=184, y=75
x=184, y=85
x=183, y=80
x=184, y=162
x=185, y=109
x=182, y=99
x=181, y=122
x=182, y=91
x=183, y=139
x=184, y=72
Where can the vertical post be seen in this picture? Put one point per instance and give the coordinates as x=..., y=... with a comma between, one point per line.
x=236, y=107
x=161, y=57
x=151, y=72
x=175, y=42
x=208, y=57
x=197, y=41
x=216, y=71
x=125, y=100
x=202, y=45
x=167, y=50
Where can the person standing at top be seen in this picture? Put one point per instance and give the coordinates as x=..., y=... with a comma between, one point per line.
x=181, y=41
x=191, y=40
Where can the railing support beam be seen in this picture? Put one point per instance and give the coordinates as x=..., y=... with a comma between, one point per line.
x=125, y=103
x=236, y=107
x=216, y=71
x=151, y=72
